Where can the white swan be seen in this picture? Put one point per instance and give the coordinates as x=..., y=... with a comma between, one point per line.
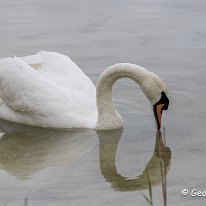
x=49, y=90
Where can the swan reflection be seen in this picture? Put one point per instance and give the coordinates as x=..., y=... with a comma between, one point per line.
x=107, y=151
x=25, y=150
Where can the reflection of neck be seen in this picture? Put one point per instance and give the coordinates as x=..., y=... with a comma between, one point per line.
x=109, y=141
x=108, y=116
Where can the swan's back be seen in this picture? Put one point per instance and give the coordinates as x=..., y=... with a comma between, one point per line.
x=60, y=69
x=47, y=90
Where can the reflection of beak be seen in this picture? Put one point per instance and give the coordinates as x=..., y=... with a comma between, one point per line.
x=158, y=114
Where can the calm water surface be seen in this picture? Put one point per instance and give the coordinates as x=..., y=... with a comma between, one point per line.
x=82, y=167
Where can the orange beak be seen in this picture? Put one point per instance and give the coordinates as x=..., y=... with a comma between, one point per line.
x=158, y=114
x=161, y=105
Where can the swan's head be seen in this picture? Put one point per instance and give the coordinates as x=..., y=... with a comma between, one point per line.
x=156, y=91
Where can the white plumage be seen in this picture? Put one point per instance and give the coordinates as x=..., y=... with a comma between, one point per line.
x=49, y=90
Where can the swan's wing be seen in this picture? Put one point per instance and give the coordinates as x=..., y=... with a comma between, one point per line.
x=21, y=86
x=29, y=97
x=60, y=69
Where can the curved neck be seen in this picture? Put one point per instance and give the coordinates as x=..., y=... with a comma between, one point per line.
x=108, y=116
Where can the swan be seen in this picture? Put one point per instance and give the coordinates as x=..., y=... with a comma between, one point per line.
x=48, y=89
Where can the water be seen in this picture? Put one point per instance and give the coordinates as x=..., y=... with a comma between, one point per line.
x=58, y=168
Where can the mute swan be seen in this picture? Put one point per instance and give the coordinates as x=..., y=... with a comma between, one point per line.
x=49, y=90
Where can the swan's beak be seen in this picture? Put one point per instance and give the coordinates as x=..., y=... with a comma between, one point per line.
x=158, y=109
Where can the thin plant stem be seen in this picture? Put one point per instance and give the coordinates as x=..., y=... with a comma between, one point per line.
x=149, y=199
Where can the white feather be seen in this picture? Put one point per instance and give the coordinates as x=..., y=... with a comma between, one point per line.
x=49, y=90
x=58, y=94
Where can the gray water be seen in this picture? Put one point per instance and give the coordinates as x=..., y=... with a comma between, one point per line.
x=82, y=167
